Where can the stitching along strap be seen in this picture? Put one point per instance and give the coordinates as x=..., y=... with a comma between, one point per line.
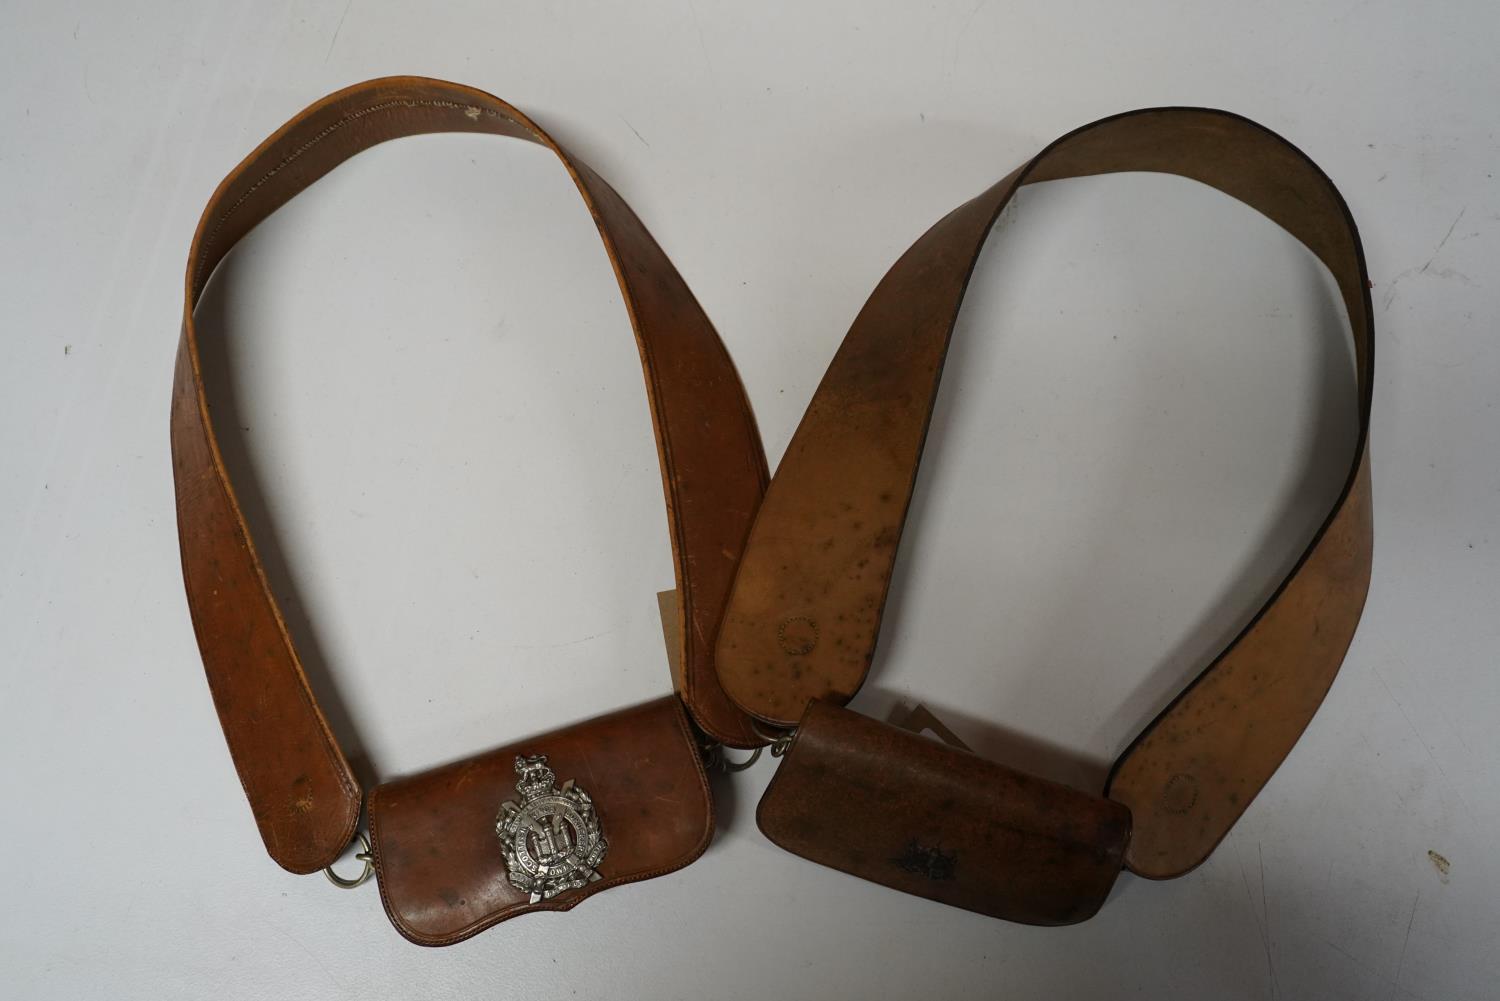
x=511, y=839
x=805, y=610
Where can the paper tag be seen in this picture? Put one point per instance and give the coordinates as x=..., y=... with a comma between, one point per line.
x=670, y=607
x=919, y=719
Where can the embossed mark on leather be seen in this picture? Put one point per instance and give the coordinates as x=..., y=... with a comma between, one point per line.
x=921, y=860
x=797, y=635
x=1180, y=794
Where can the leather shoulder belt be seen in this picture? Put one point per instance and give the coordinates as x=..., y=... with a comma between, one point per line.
x=805, y=610
x=464, y=846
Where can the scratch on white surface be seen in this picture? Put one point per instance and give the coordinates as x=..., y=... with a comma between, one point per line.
x=1266, y=927
x=1401, y=708
x=1401, y=962
x=1444, y=241
x=1362, y=965
x=340, y=27
x=637, y=132
x=1457, y=794
x=1260, y=924
x=698, y=27
x=1390, y=295
x=969, y=19
x=564, y=643
x=1456, y=730
x=1342, y=952
x=312, y=955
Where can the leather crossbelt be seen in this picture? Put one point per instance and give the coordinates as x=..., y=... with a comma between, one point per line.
x=461, y=847
x=791, y=578
x=804, y=615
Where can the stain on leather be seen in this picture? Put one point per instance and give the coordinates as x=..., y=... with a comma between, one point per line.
x=921, y=860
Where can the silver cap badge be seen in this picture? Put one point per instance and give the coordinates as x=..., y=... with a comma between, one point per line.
x=551, y=836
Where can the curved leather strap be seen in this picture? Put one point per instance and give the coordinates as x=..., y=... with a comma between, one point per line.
x=305, y=797
x=805, y=610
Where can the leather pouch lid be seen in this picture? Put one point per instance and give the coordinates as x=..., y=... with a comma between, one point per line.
x=902, y=810
x=439, y=861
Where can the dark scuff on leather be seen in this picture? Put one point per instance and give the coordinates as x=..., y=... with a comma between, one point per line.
x=934, y=863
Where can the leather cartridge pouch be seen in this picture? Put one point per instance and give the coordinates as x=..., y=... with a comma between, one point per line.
x=547, y=821
x=900, y=809
x=804, y=613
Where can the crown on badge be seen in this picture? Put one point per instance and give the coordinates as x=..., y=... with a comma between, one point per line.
x=536, y=777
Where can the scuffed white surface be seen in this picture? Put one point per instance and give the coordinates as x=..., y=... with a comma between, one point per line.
x=1141, y=417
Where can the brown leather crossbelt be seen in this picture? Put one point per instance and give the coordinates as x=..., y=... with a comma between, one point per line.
x=804, y=615
x=545, y=822
x=794, y=593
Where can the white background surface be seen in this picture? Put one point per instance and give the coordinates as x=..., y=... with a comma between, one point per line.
x=446, y=450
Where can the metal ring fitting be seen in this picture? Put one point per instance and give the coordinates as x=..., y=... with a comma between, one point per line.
x=364, y=856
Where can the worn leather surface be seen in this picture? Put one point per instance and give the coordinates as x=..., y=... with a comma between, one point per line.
x=1193, y=771
x=302, y=792
x=433, y=835
x=805, y=611
x=903, y=810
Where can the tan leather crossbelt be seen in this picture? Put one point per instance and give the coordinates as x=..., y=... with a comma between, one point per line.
x=549, y=820
x=804, y=614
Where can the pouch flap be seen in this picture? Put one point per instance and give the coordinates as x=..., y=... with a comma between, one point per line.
x=439, y=858
x=903, y=810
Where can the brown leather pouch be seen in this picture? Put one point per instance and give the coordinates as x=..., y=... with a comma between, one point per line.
x=432, y=835
x=900, y=809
